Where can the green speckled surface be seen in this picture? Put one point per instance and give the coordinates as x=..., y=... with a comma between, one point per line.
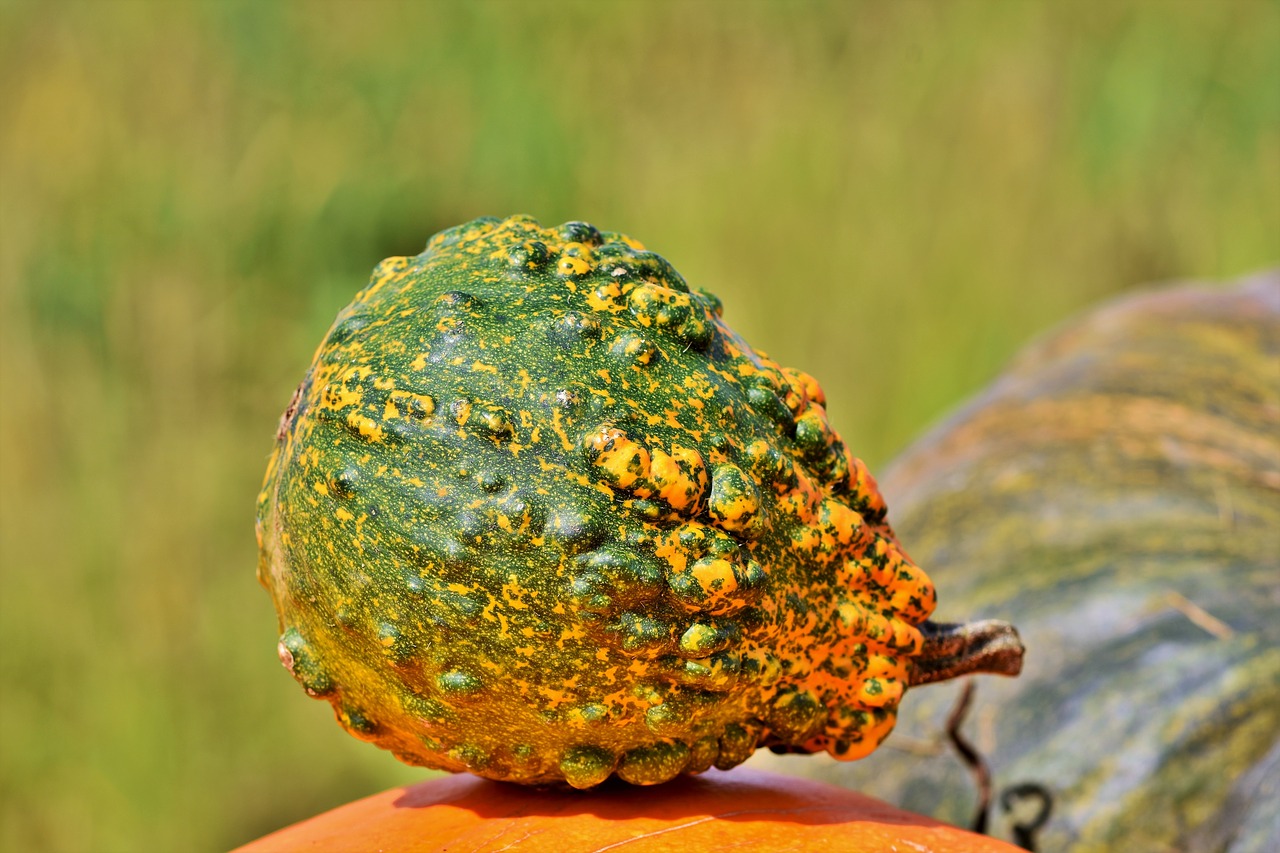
x=537, y=513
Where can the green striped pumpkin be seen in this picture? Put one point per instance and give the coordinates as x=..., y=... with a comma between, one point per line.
x=1118, y=490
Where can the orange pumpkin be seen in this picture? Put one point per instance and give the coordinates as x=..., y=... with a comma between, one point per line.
x=741, y=810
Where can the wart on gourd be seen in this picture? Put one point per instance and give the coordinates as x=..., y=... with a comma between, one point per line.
x=537, y=513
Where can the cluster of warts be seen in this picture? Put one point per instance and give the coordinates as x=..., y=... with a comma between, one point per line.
x=536, y=512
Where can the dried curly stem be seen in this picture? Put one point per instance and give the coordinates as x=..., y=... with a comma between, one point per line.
x=952, y=650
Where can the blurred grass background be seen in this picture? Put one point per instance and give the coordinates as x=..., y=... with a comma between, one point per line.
x=891, y=196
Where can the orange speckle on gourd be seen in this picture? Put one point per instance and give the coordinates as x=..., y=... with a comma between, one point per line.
x=620, y=460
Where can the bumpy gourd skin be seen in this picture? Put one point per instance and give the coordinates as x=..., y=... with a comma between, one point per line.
x=537, y=513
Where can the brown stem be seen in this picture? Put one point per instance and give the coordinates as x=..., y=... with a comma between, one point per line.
x=972, y=758
x=1024, y=832
x=952, y=650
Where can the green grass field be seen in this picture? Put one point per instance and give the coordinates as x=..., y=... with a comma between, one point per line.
x=893, y=197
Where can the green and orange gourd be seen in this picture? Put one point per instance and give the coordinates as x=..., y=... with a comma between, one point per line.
x=538, y=514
